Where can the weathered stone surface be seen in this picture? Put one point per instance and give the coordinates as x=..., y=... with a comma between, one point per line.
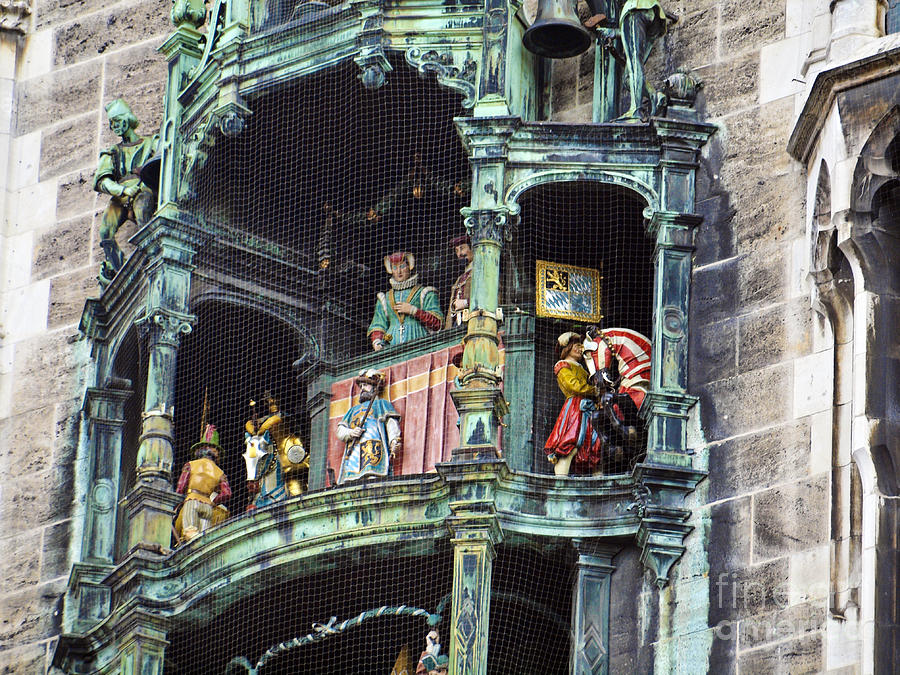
x=138, y=75
x=104, y=32
x=790, y=518
x=746, y=591
x=26, y=444
x=46, y=100
x=55, y=551
x=713, y=352
x=787, y=622
x=20, y=563
x=28, y=660
x=749, y=401
x=714, y=293
x=729, y=85
x=68, y=146
x=770, y=217
x=75, y=195
x=729, y=534
x=749, y=24
x=67, y=295
x=31, y=614
x=763, y=278
x=625, y=587
x=805, y=655
x=51, y=12
x=714, y=240
x=687, y=42
x=62, y=248
x=774, y=334
x=47, y=368
x=565, y=84
x=757, y=461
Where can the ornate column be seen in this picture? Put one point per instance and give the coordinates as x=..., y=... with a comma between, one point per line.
x=152, y=502
x=478, y=398
x=590, y=607
x=142, y=645
x=318, y=405
x=475, y=532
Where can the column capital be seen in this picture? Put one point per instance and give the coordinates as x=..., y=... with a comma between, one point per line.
x=165, y=326
x=488, y=226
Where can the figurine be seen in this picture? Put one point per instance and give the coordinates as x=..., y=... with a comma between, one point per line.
x=205, y=487
x=118, y=176
x=641, y=23
x=572, y=437
x=407, y=311
x=371, y=430
x=265, y=477
x=292, y=455
x=432, y=662
x=462, y=289
x=618, y=360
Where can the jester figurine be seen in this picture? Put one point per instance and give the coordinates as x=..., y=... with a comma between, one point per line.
x=371, y=430
x=407, y=311
x=292, y=454
x=205, y=489
x=118, y=175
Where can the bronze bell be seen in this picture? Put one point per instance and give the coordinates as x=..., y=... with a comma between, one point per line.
x=557, y=32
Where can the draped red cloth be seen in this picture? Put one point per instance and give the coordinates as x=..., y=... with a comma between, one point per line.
x=420, y=391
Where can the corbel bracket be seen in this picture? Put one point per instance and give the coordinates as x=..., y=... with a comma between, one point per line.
x=460, y=78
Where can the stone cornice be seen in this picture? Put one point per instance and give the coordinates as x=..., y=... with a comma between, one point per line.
x=827, y=85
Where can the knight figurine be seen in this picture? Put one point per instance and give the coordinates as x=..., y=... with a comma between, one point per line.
x=371, y=431
x=118, y=175
x=292, y=454
x=407, y=311
x=205, y=488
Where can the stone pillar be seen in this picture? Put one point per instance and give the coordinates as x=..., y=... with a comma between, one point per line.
x=105, y=411
x=590, y=608
x=518, y=383
x=475, y=532
x=853, y=24
x=668, y=402
x=318, y=404
x=492, y=87
x=141, y=642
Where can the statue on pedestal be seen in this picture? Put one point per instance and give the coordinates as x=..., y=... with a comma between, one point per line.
x=407, y=311
x=205, y=488
x=371, y=430
x=118, y=175
x=462, y=289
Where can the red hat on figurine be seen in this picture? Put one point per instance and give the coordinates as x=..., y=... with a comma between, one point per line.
x=397, y=257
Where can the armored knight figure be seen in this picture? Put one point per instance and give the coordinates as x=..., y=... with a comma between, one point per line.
x=118, y=175
x=371, y=430
x=205, y=488
x=462, y=289
x=407, y=311
x=292, y=454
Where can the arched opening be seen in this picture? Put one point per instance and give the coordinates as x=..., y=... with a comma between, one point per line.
x=587, y=225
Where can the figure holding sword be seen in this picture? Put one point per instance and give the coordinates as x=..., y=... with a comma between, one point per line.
x=371, y=430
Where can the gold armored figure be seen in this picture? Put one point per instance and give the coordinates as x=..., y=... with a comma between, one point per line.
x=292, y=454
x=205, y=489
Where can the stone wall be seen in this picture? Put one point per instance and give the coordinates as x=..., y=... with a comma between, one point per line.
x=77, y=56
x=751, y=594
